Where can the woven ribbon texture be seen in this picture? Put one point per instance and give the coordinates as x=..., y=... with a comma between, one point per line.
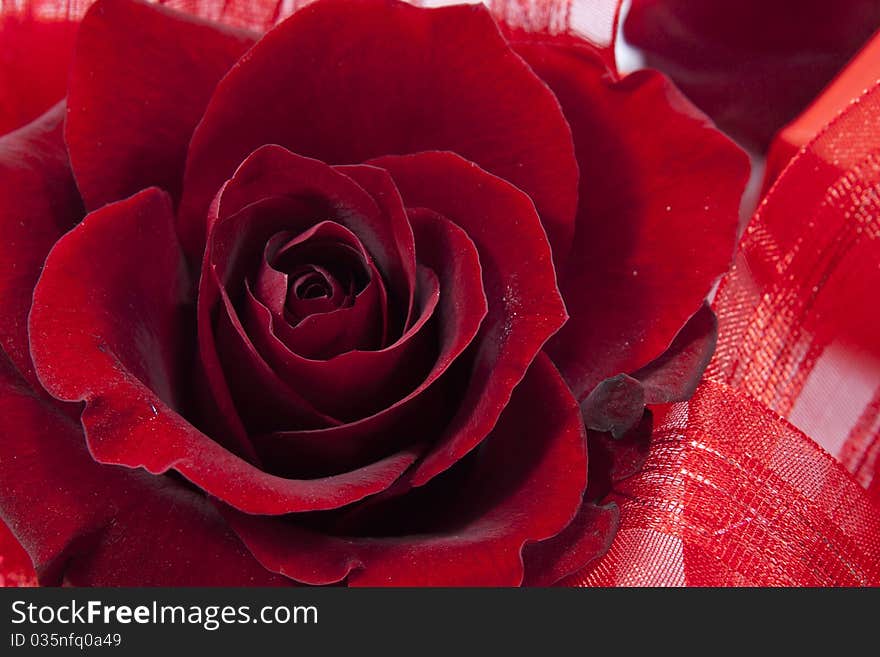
x=769, y=475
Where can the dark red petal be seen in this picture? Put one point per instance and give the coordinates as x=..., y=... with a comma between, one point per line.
x=616, y=405
x=660, y=193
x=614, y=459
x=751, y=65
x=344, y=319
x=34, y=62
x=38, y=204
x=16, y=568
x=103, y=330
x=586, y=538
x=272, y=171
x=95, y=296
x=100, y=525
x=141, y=78
x=348, y=80
x=458, y=305
x=262, y=397
x=337, y=330
x=270, y=285
x=524, y=306
x=234, y=244
x=349, y=385
x=384, y=192
x=526, y=485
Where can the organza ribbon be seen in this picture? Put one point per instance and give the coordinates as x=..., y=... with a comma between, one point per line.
x=734, y=492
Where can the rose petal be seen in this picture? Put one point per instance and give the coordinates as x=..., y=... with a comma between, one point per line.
x=676, y=373
x=524, y=309
x=520, y=489
x=38, y=204
x=345, y=319
x=140, y=80
x=234, y=244
x=262, y=398
x=98, y=525
x=347, y=80
x=660, y=192
x=615, y=459
x=616, y=405
x=381, y=187
x=354, y=383
x=585, y=539
x=103, y=329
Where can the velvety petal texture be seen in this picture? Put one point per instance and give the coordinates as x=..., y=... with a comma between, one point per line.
x=515, y=490
x=524, y=309
x=660, y=190
x=38, y=204
x=105, y=525
x=122, y=319
x=379, y=77
x=140, y=80
x=33, y=61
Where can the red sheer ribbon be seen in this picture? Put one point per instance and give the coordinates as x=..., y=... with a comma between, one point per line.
x=734, y=491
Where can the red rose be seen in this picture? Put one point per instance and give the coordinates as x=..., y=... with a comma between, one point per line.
x=342, y=300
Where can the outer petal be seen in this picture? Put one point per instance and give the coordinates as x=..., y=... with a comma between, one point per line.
x=524, y=307
x=751, y=65
x=141, y=77
x=103, y=329
x=526, y=484
x=660, y=192
x=93, y=524
x=347, y=80
x=38, y=204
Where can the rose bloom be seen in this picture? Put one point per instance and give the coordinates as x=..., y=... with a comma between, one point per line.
x=376, y=297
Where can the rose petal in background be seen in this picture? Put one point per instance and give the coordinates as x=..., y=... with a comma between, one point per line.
x=751, y=65
x=659, y=200
x=16, y=568
x=140, y=80
x=34, y=61
x=344, y=81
